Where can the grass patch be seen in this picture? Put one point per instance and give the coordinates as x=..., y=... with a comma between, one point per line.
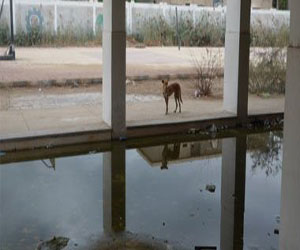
x=38, y=37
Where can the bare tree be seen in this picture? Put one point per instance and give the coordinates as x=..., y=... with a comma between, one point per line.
x=207, y=67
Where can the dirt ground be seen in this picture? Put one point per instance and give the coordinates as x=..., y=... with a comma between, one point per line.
x=150, y=90
x=188, y=88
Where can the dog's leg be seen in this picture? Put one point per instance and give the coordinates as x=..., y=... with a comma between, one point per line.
x=167, y=101
x=179, y=106
x=176, y=105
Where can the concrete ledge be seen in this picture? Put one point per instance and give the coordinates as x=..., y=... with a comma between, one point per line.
x=258, y=124
x=54, y=140
x=76, y=82
x=205, y=128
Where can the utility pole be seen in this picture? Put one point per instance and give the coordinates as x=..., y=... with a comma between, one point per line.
x=12, y=39
x=10, y=54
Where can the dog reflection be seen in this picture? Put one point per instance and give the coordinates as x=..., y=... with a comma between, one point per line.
x=169, y=154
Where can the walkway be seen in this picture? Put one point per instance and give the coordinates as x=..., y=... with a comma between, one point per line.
x=34, y=64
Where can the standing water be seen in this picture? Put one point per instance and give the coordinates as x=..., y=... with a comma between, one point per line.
x=213, y=194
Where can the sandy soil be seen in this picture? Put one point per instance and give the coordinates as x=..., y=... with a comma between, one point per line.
x=141, y=91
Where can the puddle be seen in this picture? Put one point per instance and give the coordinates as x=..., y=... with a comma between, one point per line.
x=183, y=195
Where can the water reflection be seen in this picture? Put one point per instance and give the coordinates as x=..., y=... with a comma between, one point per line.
x=178, y=152
x=233, y=193
x=114, y=189
x=131, y=204
x=169, y=154
x=266, y=152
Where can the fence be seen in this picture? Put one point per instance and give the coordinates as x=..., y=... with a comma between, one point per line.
x=54, y=17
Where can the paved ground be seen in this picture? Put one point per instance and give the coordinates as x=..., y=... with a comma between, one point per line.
x=35, y=64
x=36, y=112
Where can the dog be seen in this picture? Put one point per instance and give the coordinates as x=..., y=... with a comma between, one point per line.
x=169, y=154
x=168, y=90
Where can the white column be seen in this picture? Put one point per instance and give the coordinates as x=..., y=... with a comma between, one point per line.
x=114, y=190
x=236, y=72
x=233, y=192
x=114, y=66
x=290, y=194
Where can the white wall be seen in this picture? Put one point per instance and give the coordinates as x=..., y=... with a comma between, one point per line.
x=78, y=17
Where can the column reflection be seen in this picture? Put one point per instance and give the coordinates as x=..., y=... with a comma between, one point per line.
x=233, y=192
x=114, y=189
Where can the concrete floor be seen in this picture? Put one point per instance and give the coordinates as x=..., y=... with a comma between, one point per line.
x=68, y=116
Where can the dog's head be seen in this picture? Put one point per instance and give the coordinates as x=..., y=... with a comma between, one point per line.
x=165, y=82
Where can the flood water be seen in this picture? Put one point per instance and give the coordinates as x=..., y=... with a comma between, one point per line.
x=219, y=193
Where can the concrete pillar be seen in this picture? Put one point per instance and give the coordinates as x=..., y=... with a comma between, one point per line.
x=114, y=190
x=289, y=238
x=236, y=72
x=114, y=66
x=233, y=193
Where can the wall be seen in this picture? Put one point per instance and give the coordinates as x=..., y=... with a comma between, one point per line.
x=86, y=17
x=262, y=4
x=258, y=4
x=198, y=2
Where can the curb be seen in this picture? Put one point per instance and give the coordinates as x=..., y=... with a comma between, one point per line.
x=77, y=82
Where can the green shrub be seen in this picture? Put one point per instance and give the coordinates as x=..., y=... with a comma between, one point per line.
x=4, y=35
x=205, y=32
x=275, y=36
x=67, y=38
x=267, y=71
x=156, y=31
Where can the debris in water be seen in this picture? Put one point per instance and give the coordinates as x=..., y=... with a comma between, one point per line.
x=56, y=243
x=51, y=165
x=277, y=219
x=192, y=131
x=276, y=231
x=163, y=223
x=213, y=128
x=75, y=84
x=211, y=188
x=205, y=248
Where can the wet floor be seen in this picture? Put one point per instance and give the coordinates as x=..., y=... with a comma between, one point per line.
x=211, y=194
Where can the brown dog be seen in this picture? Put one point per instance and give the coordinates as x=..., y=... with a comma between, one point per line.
x=168, y=90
